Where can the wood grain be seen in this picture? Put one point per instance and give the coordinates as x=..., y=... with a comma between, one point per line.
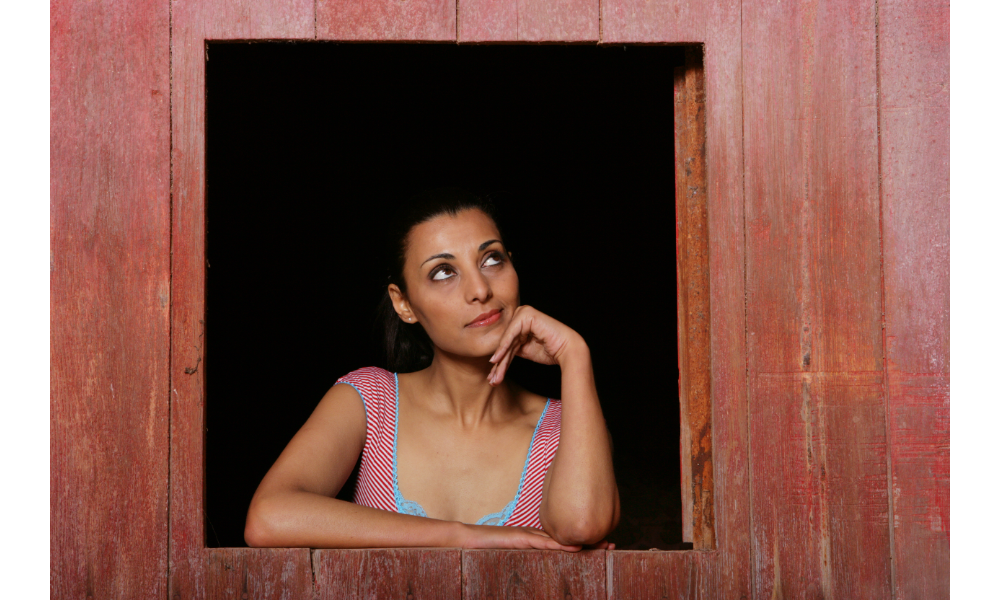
x=529, y=21
x=258, y=573
x=817, y=426
x=195, y=21
x=638, y=575
x=718, y=26
x=914, y=147
x=693, y=303
x=109, y=298
x=412, y=573
x=659, y=21
x=534, y=574
x=386, y=20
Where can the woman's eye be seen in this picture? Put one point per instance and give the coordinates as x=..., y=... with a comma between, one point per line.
x=493, y=260
x=442, y=273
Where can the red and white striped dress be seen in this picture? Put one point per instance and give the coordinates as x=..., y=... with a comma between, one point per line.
x=378, y=483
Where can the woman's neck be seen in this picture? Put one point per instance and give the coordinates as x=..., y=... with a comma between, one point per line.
x=458, y=386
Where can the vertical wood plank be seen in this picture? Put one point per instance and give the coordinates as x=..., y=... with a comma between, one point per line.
x=727, y=257
x=638, y=575
x=534, y=574
x=109, y=298
x=386, y=20
x=914, y=96
x=412, y=573
x=817, y=427
x=693, y=303
x=195, y=21
x=718, y=26
x=259, y=573
x=529, y=20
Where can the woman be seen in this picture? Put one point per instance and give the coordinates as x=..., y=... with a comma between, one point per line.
x=443, y=441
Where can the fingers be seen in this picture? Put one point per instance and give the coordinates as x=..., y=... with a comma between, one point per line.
x=509, y=344
x=500, y=369
x=551, y=544
x=509, y=335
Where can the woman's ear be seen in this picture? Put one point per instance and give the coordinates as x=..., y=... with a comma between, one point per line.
x=400, y=304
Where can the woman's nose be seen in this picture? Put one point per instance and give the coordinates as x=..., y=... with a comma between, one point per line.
x=478, y=288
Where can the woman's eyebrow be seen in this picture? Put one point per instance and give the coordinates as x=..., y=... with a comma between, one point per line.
x=482, y=247
x=443, y=255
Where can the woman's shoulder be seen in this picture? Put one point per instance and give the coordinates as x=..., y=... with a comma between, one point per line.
x=372, y=383
x=529, y=397
x=364, y=375
x=536, y=405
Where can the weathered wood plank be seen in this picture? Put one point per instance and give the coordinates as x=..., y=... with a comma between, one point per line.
x=727, y=258
x=193, y=23
x=529, y=21
x=693, y=303
x=534, y=574
x=412, y=573
x=914, y=123
x=817, y=427
x=635, y=575
x=377, y=20
x=654, y=21
x=717, y=25
x=110, y=294
x=259, y=573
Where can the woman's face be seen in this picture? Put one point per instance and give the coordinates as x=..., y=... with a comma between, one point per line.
x=461, y=285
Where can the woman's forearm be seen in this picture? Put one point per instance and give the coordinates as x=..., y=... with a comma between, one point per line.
x=299, y=519
x=580, y=503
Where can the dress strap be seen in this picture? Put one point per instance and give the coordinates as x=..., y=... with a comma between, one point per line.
x=378, y=390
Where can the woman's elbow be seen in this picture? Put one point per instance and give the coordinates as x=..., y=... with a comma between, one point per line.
x=258, y=531
x=584, y=530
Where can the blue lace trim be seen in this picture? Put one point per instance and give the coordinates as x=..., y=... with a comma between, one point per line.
x=409, y=507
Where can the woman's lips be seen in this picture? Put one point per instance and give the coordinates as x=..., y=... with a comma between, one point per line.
x=485, y=319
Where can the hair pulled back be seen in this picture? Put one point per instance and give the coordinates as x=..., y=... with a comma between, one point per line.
x=407, y=346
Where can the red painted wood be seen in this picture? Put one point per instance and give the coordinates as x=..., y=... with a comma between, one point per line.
x=661, y=21
x=388, y=573
x=717, y=25
x=817, y=427
x=259, y=573
x=109, y=298
x=727, y=257
x=487, y=21
x=529, y=20
x=534, y=574
x=195, y=21
x=914, y=123
x=638, y=575
x=388, y=20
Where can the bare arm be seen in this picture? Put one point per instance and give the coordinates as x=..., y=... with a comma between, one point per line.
x=294, y=507
x=580, y=502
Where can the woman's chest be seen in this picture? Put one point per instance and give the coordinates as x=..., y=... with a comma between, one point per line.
x=459, y=475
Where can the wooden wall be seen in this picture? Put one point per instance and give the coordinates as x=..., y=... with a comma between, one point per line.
x=826, y=158
x=110, y=298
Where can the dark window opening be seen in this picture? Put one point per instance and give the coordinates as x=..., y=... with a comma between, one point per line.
x=310, y=146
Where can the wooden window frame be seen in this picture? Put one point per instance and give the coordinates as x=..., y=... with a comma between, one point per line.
x=196, y=569
x=693, y=302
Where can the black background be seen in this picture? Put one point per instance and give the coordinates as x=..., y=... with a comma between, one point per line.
x=310, y=146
